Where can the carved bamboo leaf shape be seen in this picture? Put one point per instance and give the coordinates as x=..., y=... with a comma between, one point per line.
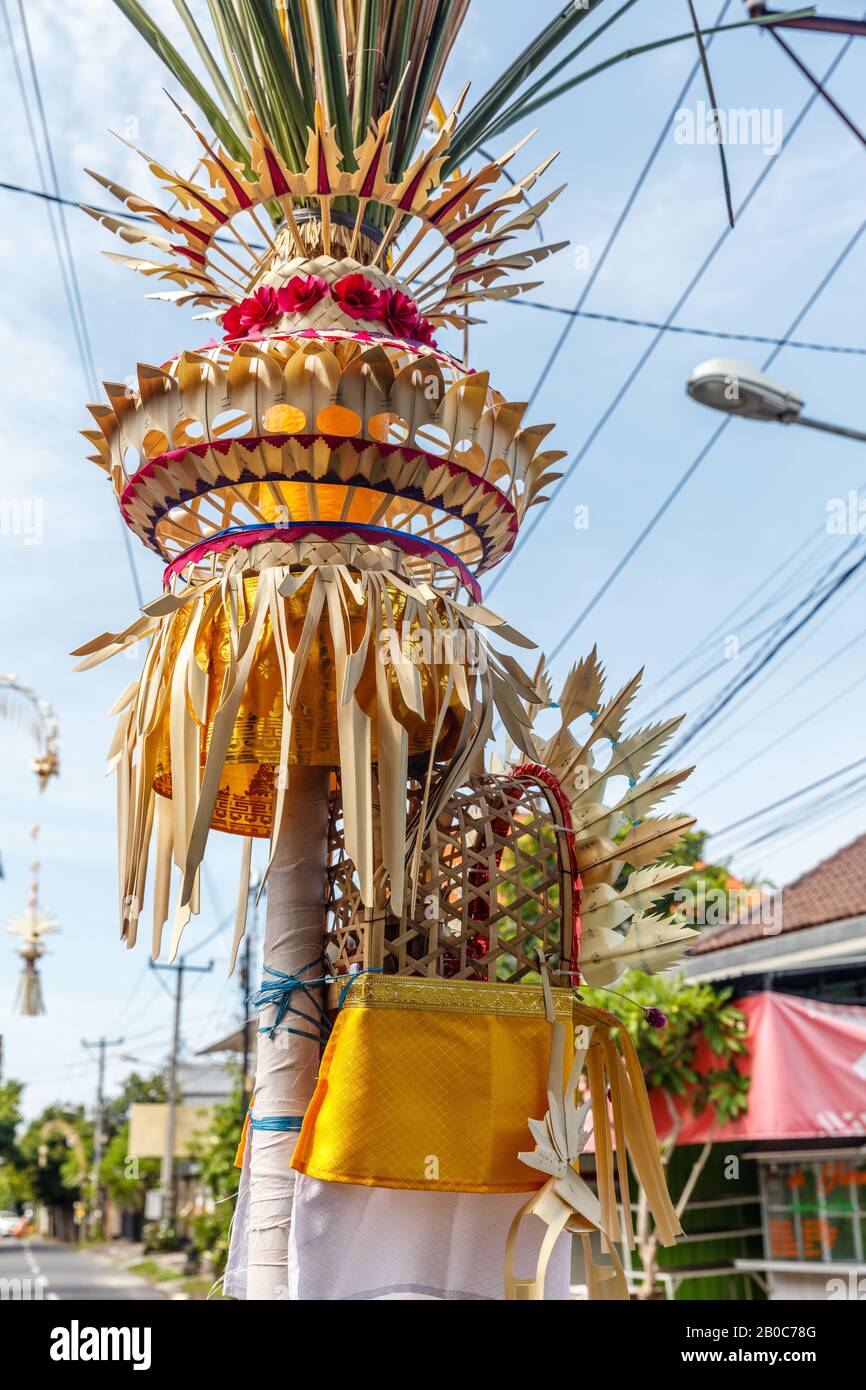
x=417, y=394
x=366, y=385
x=463, y=407
x=312, y=378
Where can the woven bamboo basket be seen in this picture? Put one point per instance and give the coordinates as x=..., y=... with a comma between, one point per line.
x=496, y=885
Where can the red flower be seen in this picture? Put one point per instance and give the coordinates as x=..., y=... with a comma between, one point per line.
x=251, y=314
x=424, y=332
x=400, y=313
x=301, y=294
x=357, y=297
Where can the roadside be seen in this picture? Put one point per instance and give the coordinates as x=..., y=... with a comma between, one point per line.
x=163, y=1270
x=36, y=1269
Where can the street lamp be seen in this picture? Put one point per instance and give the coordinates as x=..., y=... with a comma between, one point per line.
x=738, y=389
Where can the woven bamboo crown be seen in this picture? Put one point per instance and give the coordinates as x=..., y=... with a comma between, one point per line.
x=329, y=400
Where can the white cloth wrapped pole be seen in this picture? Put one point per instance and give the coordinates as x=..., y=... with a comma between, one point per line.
x=349, y=1242
x=287, y=1064
x=368, y=1243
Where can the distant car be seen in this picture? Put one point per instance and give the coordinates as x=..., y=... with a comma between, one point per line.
x=23, y=1227
x=8, y=1221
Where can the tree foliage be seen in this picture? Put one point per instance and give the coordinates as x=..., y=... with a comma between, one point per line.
x=216, y=1157
x=695, y=1011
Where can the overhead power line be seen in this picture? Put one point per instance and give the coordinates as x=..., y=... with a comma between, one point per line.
x=680, y=328
x=796, y=557
x=783, y=737
x=809, y=821
x=58, y=200
x=762, y=659
x=725, y=662
x=773, y=671
x=807, y=817
x=779, y=626
x=693, y=467
x=59, y=230
x=649, y=350
x=786, y=800
x=725, y=629
x=623, y=216
x=835, y=655
x=514, y=303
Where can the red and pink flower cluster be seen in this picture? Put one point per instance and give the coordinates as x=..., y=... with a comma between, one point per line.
x=355, y=294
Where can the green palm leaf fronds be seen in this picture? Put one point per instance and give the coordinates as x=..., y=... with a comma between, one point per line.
x=708, y=79
x=360, y=58
x=233, y=139
x=278, y=57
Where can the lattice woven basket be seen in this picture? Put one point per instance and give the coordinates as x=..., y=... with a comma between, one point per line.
x=496, y=882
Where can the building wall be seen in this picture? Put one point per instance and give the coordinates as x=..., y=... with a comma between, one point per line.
x=741, y=1212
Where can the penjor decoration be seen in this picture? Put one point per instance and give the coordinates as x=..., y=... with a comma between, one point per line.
x=19, y=703
x=327, y=486
x=32, y=927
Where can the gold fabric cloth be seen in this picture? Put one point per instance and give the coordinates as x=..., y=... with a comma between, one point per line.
x=428, y=1085
x=245, y=800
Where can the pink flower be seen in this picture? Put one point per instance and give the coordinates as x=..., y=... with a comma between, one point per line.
x=301, y=294
x=251, y=314
x=400, y=314
x=357, y=297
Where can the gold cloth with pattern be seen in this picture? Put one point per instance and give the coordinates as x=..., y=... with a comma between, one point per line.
x=245, y=800
x=428, y=1084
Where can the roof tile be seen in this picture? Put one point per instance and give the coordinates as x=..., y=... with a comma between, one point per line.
x=833, y=890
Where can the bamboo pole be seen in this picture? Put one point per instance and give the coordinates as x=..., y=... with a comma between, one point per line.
x=286, y=1064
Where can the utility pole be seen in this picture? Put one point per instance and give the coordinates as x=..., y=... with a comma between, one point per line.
x=102, y=1046
x=166, y=1176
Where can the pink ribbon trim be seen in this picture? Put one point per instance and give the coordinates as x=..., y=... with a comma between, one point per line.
x=244, y=540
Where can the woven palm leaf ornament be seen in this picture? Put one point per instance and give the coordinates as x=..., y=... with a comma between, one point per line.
x=33, y=926
x=325, y=470
x=327, y=486
x=532, y=861
x=618, y=929
x=21, y=705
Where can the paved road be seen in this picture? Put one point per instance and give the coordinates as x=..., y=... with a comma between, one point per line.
x=61, y=1272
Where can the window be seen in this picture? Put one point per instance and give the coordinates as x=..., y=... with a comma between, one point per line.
x=815, y=1209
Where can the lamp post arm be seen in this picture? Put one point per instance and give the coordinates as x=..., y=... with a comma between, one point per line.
x=825, y=427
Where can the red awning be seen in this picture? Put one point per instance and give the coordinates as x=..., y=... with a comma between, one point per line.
x=807, y=1062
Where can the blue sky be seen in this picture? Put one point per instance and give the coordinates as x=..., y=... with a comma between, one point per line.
x=760, y=490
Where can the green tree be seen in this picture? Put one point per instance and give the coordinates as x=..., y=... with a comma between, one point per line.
x=135, y=1089
x=126, y=1179
x=694, y=1012
x=56, y=1149
x=12, y=1183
